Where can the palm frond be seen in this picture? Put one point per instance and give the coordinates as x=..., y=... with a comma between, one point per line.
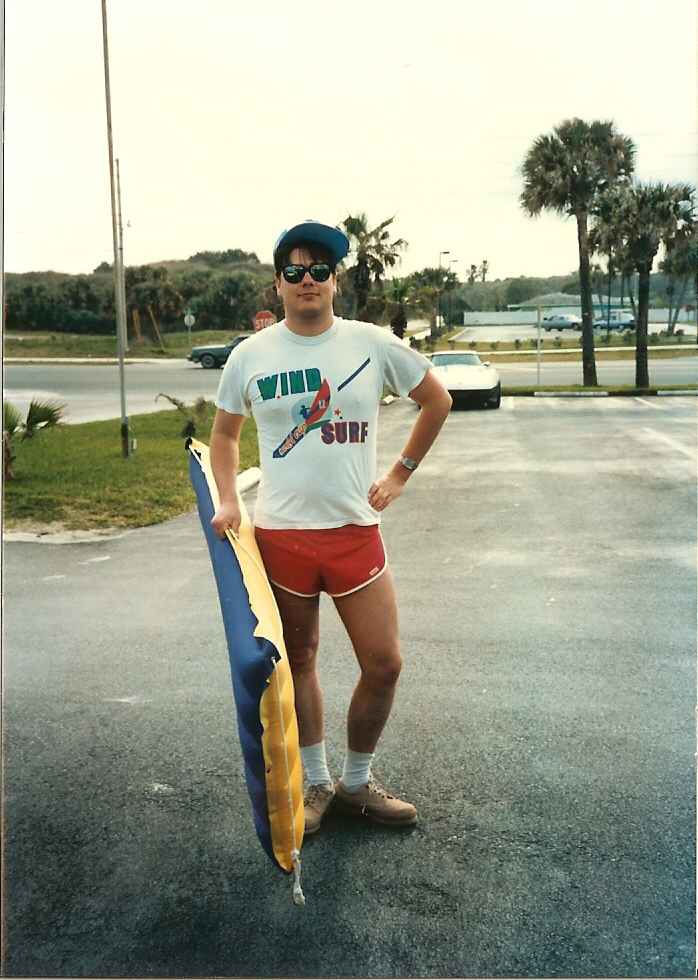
x=42, y=415
x=200, y=410
x=11, y=419
x=179, y=405
x=564, y=171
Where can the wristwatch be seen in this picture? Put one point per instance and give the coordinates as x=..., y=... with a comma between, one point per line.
x=408, y=463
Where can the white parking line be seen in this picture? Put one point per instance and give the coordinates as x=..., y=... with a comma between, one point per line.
x=133, y=699
x=676, y=446
x=91, y=561
x=645, y=401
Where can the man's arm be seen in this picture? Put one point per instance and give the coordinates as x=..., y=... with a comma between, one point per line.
x=225, y=462
x=436, y=403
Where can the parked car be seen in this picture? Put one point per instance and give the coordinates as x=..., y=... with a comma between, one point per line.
x=619, y=320
x=467, y=378
x=214, y=355
x=561, y=321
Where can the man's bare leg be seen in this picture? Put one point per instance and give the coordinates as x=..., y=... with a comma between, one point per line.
x=370, y=618
x=301, y=622
x=300, y=619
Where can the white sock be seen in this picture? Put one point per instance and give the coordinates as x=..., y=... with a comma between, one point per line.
x=315, y=764
x=357, y=770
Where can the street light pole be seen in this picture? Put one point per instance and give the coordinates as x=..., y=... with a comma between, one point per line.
x=438, y=292
x=120, y=325
x=450, y=263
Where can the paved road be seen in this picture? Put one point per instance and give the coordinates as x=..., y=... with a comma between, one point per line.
x=92, y=391
x=545, y=560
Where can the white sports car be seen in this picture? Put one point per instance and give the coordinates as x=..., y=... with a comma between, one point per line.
x=467, y=377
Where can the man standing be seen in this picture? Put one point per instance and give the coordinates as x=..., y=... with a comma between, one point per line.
x=313, y=383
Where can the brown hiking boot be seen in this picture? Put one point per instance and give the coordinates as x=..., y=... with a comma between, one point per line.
x=317, y=800
x=377, y=804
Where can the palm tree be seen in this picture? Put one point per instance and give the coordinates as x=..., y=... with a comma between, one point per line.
x=645, y=216
x=605, y=240
x=373, y=252
x=681, y=265
x=40, y=415
x=564, y=172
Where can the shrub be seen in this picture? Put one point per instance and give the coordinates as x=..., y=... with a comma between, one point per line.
x=517, y=343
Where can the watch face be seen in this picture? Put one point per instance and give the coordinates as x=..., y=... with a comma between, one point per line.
x=410, y=464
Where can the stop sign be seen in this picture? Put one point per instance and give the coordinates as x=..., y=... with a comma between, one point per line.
x=263, y=319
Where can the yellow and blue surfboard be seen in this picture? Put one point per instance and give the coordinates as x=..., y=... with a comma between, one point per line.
x=262, y=681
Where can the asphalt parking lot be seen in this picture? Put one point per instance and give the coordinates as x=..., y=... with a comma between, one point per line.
x=544, y=726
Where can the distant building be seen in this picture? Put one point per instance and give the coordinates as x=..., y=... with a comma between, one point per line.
x=561, y=303
x=546, y=300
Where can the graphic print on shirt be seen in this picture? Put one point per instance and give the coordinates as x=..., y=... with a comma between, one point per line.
x=313, y=416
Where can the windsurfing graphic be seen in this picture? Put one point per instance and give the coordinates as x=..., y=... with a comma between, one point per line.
x=314, y=415
x=321, y=403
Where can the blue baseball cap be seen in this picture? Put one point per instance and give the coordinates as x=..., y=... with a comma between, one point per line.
x=331, y=238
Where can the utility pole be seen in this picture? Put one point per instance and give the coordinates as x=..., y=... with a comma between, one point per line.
x=122, y=271
x=120, y=311
x=2, y=170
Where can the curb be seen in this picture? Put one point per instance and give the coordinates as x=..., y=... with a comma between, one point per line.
x=598, y=394
x=570, y=394
x=246, y=481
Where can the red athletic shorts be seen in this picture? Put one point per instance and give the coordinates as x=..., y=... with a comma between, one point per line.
x=336, y=560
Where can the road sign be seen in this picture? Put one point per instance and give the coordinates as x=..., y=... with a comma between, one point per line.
x=263, y=319
x=189, y=320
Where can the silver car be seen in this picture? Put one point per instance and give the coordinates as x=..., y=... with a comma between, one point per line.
x=467, y=378
x=561, y=321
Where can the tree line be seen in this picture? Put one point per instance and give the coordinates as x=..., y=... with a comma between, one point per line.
x=583, y=170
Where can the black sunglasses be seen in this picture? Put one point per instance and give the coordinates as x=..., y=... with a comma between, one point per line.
x=319, y=271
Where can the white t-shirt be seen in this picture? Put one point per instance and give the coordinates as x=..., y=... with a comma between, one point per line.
x=315, y=401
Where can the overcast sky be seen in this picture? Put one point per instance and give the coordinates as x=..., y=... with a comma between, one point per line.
x=232, y=124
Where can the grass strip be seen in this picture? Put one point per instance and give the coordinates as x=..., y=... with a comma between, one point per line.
x=573, y=357
x=178, y=345
x=75, y=475
x=101, y=345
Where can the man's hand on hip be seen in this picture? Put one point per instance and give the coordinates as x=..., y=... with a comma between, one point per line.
x=384, y=491
x=227, y=517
